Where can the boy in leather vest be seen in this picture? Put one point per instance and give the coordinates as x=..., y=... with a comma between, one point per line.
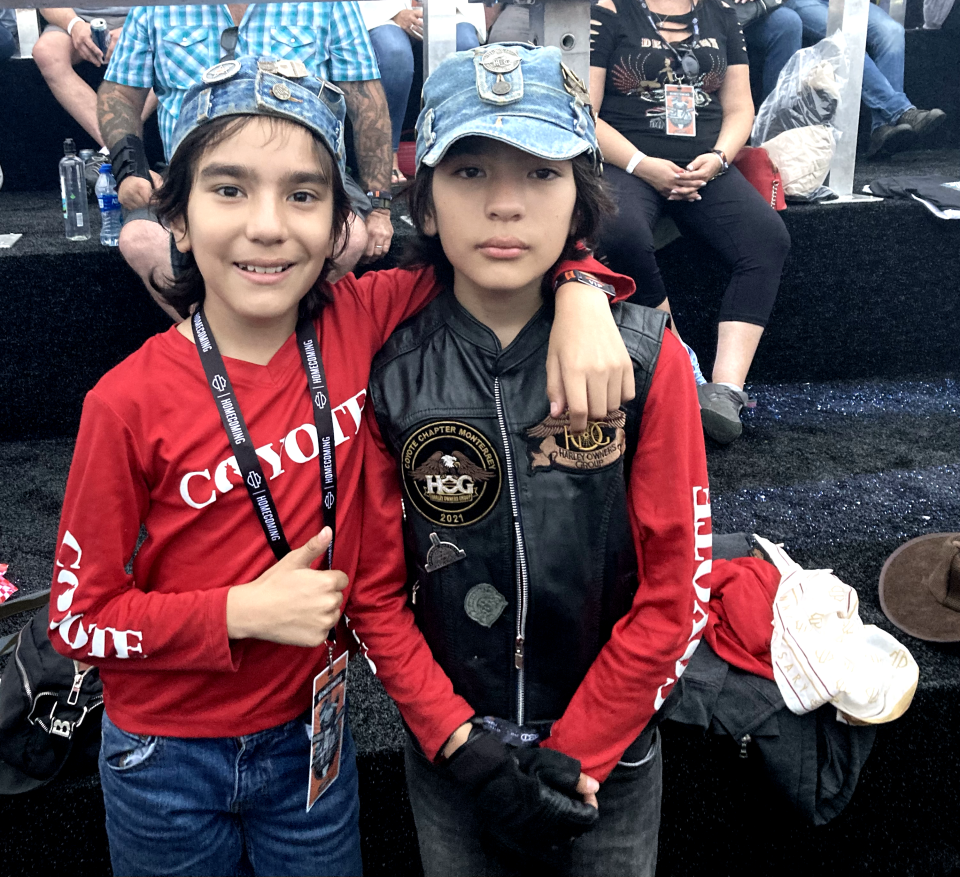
x=231, y=439
x=557, y=575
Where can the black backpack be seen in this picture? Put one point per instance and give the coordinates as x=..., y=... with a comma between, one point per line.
x=50, y=708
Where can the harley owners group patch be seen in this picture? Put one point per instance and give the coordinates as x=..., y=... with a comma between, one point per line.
x=451, y=473
x=553, y=446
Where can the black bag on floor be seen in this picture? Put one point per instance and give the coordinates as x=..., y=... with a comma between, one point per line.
x=50, y=708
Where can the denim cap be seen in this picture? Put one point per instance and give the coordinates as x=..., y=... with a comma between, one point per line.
x=519, y=94
x=265, y=86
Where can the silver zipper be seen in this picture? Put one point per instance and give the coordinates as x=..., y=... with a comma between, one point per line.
x=23, y=670
x=78, y=676
x=521, y=556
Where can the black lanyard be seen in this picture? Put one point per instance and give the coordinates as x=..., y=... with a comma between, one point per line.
x=688, y=62
x=239, y=436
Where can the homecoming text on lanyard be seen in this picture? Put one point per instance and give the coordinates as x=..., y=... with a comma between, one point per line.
x=239, y=436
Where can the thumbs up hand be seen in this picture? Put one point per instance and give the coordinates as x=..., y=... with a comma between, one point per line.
x=290, y=603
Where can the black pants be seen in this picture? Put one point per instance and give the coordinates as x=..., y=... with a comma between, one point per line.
x=623, y=843
x=731, y=217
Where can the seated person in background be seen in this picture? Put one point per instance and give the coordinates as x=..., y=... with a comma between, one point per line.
x=64, y=43
x=169, y=48
x=509, y=21
x=671, y=80
x=8, y=30
x=396, y=31
x=772, y=38
x=896, y=123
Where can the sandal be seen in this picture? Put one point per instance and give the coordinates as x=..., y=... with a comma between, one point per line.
x=397, y=177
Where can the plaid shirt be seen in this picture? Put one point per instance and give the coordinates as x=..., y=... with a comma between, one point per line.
x=167, y=48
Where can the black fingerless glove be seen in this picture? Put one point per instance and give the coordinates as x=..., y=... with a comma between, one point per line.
x=129, y=159
x=524, y=796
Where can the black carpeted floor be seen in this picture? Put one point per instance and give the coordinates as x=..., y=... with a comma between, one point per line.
x=842, y=473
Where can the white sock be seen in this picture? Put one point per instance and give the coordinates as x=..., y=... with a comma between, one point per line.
x=738, y=387
x=104, y=150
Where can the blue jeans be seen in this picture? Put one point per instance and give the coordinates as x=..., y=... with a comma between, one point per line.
x=623, y=843
x=882, y=65
x=228, y=805
x=774, y=38
x=8, y=45
x=394, y=50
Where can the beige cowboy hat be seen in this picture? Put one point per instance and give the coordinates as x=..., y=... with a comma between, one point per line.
x=920, y=587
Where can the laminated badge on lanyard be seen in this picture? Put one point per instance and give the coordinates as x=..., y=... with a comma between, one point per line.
x=329, y=685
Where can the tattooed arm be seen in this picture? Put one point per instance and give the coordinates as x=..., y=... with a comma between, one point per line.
x=367, y=107
x=119, y=111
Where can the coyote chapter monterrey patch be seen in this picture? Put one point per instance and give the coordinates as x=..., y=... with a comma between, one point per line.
x=552, y=445
x=451, y=473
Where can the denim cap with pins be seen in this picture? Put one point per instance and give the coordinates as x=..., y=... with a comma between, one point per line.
x=519, y=94
x=265, y=86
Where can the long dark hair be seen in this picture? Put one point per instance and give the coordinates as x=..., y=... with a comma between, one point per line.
x=187, y=288
x=592, y=204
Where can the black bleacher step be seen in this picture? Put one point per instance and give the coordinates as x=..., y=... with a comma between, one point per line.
x=869, y=290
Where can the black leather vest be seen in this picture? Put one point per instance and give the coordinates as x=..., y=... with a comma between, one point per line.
x=517, y=532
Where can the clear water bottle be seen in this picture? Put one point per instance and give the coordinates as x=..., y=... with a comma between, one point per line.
x=106, y=190
x=73, y=194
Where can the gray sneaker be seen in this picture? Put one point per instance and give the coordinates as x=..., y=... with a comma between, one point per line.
x=924, y=122
x=888, y=139
x=720, y=408
x=91, y=170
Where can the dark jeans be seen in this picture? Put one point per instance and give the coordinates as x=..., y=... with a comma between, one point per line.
x=731, y=217
x=394, y=49
x=8, y=45
x=773, y=38
x=624, y=842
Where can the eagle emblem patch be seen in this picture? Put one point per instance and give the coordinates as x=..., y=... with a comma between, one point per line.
x=552, y=445
x=451, y=473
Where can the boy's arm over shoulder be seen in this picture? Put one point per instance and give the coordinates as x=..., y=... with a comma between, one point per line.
x=378, y=611
x=669, y=508
x=589, y=372
x=98, y=614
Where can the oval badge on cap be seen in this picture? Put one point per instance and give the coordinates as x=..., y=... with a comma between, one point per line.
x=221, y=72
x=499, y=59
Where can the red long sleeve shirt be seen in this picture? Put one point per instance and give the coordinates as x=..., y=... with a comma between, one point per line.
x=152, y=455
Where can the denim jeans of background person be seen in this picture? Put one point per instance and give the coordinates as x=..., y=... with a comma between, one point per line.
x=772, y=40
x=8, y=28
x=266, y=772
x=396, y=32
x=896, y=124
